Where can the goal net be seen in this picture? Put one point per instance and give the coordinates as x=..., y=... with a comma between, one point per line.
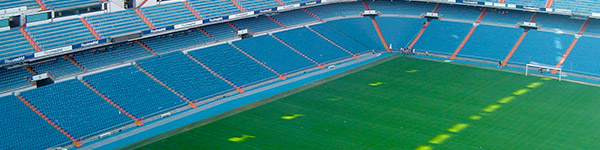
x=541, y=68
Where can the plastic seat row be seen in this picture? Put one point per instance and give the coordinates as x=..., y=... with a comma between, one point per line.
x=164, y=43
x=58, y=4
x=168, y=14
x=115, y=23
x=61, y=33
x=58, y=67
x=251, y=5
x=257, y=24
x=7, y=4
x=214, y=8
x=13, y=43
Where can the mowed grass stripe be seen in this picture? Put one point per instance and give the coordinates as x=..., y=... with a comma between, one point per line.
x=557, y=115
x=405, y=111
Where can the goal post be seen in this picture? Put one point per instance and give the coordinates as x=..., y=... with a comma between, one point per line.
x=544, y=67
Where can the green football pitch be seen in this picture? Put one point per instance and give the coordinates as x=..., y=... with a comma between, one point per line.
x=408, y=103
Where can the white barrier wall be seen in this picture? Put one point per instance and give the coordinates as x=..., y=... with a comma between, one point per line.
x=115, y=5
x=148, y=3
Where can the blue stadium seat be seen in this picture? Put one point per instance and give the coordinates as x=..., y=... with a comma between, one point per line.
x=185, y=76
x=287, y=2
x=583, y=58
x=58, y=4
x=134, y=91
x=542, y=47
x=401, y=7
x=168, y=14
x=510, y=17
x=558, y=22
x=251, y=5
x=22, y=128
x=220, y=31
x=76, y=108
x=580, y=6
x=338, y=10
x=459, y=12
x=443, y=36
x=60, y=34
x=399, y=32
x=360, y=29
x=256, y=24
x=535, y=3
x=7, y=4
x=340, y=38
x=294, y=17
x=13, y=43
x=232, y=64
x=13, y=78
x=213, y=8
x=58, y=67
x=593, y=27
x=490, y=42
x=110, y=55
x=114, y=23
x=306, y=42
x=274, y=54
x=177, y=41
x=577, y=6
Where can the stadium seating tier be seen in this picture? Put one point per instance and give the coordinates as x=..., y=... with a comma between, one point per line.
x=134, y=91
x=305, y=40
x=232, y=65
x=185, y=76
x=274, y=54
x=24, y=129
x=75, y=108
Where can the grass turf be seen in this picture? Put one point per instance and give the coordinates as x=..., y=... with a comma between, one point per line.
x=410, y=103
